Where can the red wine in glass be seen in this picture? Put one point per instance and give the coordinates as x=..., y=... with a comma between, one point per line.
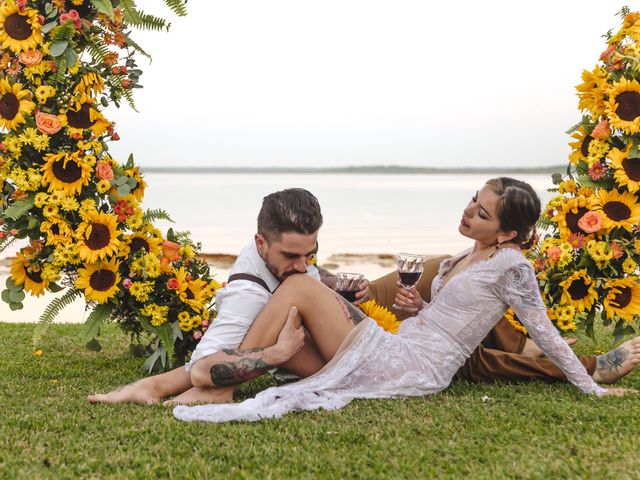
x=348, y=284
x=410, y=269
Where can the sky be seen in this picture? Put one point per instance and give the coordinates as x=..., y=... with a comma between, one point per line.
x=277, y=83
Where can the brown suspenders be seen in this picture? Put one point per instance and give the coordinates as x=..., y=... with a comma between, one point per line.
x=251, y=278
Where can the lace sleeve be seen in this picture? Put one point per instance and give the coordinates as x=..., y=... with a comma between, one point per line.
x=518, y=288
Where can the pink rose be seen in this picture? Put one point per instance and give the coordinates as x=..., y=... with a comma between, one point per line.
x=602, y=130
x=31, y=57
x=590, y=222
x=126, y=283
x=197, y=335
x=104, y=171
x=47, y=123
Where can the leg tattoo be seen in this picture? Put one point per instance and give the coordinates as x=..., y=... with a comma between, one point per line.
x=242, y=365
x=351, y=311
x=612, y=360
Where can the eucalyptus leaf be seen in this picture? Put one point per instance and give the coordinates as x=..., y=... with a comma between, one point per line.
x=5, y=296
x=72, y=56
x=48, y=26
x=123, y=190
x=131, y=182
x=57, y=48
x=121, y=180
x=16, y=306
x=16, y=296
x=33, y=223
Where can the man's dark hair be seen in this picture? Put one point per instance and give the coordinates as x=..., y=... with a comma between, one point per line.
x=291, y=210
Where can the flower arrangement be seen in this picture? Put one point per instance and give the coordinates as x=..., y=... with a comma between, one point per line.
x=77, y=209
x=386, y=319
x=588, y=266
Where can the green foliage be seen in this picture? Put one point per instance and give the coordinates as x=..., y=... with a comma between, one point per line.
x=6, y=242
x=179, y=7
x=103, y=6
x=95, y=320
x=18, y=209
x=97, y=49
x=151, y=215
x=51, y=312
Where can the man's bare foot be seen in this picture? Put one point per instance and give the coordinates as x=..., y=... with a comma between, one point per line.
x=203, y=395
x=531, y=349
x=614, y=365
x=138, y=392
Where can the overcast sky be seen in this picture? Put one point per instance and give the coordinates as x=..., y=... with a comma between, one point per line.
x=362, y=82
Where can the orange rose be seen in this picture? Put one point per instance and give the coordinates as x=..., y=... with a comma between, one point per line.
x=170, y=249
x=608, y=53
x=590, y=222
x=47, y=123
x=173, y=284
x=104, y=171
x=31, y=57
x=602, y=130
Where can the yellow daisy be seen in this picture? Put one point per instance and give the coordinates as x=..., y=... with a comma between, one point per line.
x=97, y=237
x=621, y=210
x=65, y=172
x=592, y=91
x=99, y=280
x=623, y=106
x=626, y=171
x=194, y=294
x=14, y=104
x=56, y=230
x=623, y=298
x=19, y=31
x=579, y=290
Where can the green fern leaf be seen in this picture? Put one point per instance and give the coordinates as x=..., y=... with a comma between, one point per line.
x=63, y=33
x=18, y=209
x=151, y=216
x=97, y=49
x=151, y=22
x=179, y=7
x=130, y=12
x=573, y=128
x=138, y=49
x=6, y=242
x=51, y=312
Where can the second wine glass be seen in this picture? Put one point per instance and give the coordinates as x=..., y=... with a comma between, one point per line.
x=410, y=268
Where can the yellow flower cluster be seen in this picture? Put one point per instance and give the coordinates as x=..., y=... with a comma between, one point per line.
x=156, y=313
x=141, y=290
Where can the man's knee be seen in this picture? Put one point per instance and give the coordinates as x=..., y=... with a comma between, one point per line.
x=298, y=283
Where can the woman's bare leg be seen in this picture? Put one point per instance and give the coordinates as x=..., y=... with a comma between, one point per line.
x=148, y=390
x=327, y=317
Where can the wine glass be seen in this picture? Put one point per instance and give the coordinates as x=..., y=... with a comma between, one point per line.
x=410, y=268
x=348, y=284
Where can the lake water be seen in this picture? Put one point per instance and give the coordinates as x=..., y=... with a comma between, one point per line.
x=362, y=213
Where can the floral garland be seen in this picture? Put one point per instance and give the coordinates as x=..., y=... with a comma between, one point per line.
x=77, y=208
x=588, y=266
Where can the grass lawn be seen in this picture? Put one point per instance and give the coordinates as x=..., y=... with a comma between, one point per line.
x=48, y=430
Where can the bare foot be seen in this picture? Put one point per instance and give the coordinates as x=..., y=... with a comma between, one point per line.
x=138, y=392
x=203, y=395
x=531, y=349
x=614, y=365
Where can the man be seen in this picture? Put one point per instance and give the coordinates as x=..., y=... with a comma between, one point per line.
x=288, y=225
x=507, y=355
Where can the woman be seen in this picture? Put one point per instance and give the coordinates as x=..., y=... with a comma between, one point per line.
x=469, y=295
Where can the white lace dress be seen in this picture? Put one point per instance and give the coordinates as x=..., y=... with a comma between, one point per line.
x=428, y=349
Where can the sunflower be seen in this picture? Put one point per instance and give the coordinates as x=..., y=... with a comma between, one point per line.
x=626, y=170
x=621, y=210
x=623, y=106
x=570, y=211
x=82, y=115
x=19, y=30
x=56, y=230
x=97, y=237
x=14, y=104
x=91, y=83
x=29, y=274
x=580, y=146
x=623, y=298
x=579, y=290
x=99, y=280
x=138, y=241
x=194, y=293
x=65, y=172
x=592, y=91
x=383, y=317
x=138, y=190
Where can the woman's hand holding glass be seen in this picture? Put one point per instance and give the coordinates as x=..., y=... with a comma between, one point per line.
x=408, y=298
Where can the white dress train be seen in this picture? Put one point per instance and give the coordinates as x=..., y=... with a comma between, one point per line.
x=427, y=351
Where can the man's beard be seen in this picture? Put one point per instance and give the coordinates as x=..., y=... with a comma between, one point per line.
x=273, y=270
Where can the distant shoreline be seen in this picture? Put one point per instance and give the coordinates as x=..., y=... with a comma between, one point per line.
x=366, y=169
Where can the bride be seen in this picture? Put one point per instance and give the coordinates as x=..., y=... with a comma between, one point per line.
x=471, y=292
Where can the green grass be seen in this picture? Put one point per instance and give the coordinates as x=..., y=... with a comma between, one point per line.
x=534, y=430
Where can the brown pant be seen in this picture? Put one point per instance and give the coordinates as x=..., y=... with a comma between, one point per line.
x=498, y=357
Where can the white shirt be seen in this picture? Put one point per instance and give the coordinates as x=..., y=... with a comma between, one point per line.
x=238, y=304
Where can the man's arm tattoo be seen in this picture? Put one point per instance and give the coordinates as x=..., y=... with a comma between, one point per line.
x=242, y=365
x=351, y=311
x=612, y=360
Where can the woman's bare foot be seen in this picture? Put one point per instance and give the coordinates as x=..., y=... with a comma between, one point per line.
x=141, y=392
x=614, y=365
x=203, y=395
x=532, y=350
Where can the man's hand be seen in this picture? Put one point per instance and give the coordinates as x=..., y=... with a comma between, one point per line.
x=291, y=338
x=363, y=292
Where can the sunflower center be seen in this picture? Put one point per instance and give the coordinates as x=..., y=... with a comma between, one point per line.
x=17, y=26
x=628, y=105
x=33, y=276
x=631, y=167
x=137, y=243
x=100, y=236
x=81, y=118
x=578, y=289
x=617, y=211
x=55, y=229
x=584, y=148
x=572, y=220
x=623, y=298
x=190, y=295
x=102, y=280
x=9, y=105
x=68, y=173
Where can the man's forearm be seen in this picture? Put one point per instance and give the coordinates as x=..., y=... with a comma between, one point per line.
x=234, y=366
